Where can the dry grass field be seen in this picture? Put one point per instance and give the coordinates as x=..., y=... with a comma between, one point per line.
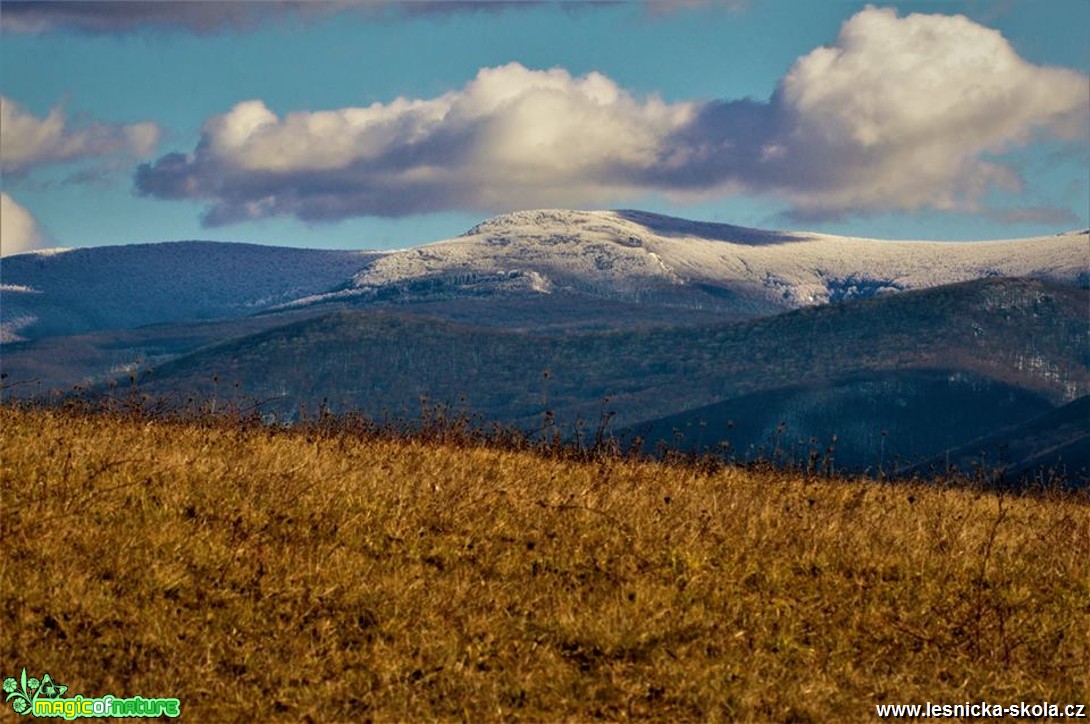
x=264, y=575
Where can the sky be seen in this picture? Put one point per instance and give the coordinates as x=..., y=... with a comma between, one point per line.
x=379, y=125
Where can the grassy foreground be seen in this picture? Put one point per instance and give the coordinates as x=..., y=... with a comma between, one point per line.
x=273, y=575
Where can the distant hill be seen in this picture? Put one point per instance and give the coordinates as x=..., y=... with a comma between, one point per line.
x=47, y=294
x=1010, y=347
x=1056, y=443
x=875, y=422
x=55, y=365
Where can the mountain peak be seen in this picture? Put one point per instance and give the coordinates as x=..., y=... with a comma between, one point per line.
x=676, y=227
x=538, y=218
x=642, y=257
x=628, y=225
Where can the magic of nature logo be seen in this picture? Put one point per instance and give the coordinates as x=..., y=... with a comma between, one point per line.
x=45, y=697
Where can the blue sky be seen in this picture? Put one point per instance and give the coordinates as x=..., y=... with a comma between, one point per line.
x=716, y=111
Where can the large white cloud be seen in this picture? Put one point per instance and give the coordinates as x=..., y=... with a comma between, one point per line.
x=899, y=114
x=19, y=230
x=910, y=109
x=510, y=137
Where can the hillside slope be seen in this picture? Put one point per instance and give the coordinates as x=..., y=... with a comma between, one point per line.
x=1028, y=335
x=660, y=260
x=46, y=294
x=261, y=574
x=1056, y=444
x=866, y=421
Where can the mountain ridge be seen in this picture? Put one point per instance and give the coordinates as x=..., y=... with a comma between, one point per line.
x=75, y=291
x=1020, y=332
x=666, y=266
x=656, y=259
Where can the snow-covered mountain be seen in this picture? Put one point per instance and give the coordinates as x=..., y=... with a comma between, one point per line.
x=643, y=257
x=61, y=292
x=553, y=267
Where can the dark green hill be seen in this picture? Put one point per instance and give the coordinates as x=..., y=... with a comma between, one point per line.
x=1055, y=445
x=876, y=421
x=1028, y=335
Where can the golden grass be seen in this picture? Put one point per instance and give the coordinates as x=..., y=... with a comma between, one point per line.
x=265, y=575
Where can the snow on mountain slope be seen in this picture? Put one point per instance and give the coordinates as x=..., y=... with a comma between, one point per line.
x=640, y=256
x=80, y=290
x=622, y=256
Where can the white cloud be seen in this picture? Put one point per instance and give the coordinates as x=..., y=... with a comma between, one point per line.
x=19, y=230
x=900, y=114
x=910, y=108
x=542, y=126
x=27, y=140
x=511, y=136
